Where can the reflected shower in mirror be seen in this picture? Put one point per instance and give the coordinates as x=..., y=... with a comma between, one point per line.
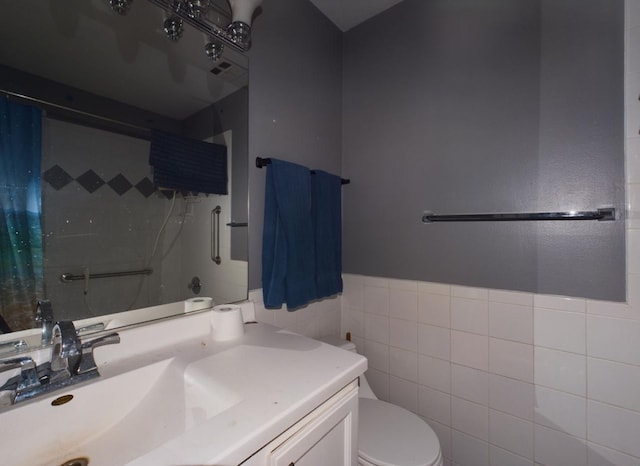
x=114, y=237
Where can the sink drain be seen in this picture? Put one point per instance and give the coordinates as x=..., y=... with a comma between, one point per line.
x=76, y=462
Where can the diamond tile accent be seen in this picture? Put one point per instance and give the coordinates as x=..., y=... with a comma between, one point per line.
x=90, y=181
x=119, y=184
x=145, y=186
x=57, y=177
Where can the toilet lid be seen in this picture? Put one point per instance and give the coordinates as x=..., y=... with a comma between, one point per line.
x=389, y=435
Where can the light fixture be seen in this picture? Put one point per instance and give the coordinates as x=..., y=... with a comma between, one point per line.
x=236, y=34
x=173, y=28
x=242, y=14
x=120, y=6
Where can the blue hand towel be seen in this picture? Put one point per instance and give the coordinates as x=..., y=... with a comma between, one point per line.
x=327, y=218
x=288, y=253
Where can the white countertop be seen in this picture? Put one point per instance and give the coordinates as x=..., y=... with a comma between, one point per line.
x=269, y=377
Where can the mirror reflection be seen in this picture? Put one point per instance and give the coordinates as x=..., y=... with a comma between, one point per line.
x=86, y=222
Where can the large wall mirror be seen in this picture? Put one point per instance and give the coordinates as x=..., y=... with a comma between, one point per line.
x=111, y=239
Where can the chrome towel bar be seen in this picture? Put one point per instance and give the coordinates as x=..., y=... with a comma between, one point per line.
x=69, y=277
x=604, y=214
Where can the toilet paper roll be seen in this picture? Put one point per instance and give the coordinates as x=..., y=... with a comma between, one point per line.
x=196, y=304
x=226, y=322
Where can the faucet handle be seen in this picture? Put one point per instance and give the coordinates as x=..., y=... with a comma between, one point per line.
x=66, y=352
x=87, y=362
x=28, y=373
x=44, y=314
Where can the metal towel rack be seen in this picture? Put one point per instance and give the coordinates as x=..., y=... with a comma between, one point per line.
x=262, y=162
x=69, y=277
x=215, y=235
x=604, y=214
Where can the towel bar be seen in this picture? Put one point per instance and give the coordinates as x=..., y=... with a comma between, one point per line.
x=263, y=162
x=604, y=214
x=69, y=277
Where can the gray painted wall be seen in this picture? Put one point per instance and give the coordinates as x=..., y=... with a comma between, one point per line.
x=491, y=106
x=294, y=101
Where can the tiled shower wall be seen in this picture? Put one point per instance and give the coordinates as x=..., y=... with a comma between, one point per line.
x=508, y=378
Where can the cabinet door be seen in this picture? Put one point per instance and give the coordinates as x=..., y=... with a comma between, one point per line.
x=328, y=440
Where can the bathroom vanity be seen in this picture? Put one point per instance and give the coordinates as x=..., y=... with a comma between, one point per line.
x=169, y=395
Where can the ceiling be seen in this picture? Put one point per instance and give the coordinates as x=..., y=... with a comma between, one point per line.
x=349, y=13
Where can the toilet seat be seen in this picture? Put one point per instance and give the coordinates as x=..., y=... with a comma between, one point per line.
x=392, y=436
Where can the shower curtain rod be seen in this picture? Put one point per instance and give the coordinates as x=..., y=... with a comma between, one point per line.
x=45, y=103
x=263, y=162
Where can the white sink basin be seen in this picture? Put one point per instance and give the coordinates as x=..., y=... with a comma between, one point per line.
x=114, y=419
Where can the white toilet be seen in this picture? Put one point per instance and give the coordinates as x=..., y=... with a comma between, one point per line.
x=389, y=435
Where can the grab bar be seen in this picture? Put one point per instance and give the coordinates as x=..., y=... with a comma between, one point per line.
x=604, y=214
x=69, y=277
x=215, y=235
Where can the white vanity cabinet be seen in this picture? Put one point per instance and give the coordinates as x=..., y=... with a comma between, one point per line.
x=327, y=436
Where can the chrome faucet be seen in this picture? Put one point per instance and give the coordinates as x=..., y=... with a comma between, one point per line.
x=44, y=314
x=71, y=362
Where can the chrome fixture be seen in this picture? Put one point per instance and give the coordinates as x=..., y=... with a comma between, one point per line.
x=173, y=28
x=120, y=6
x=71, y=362
x=44, y=314
x=214, y=50
x=208, y=17
x=604, y=214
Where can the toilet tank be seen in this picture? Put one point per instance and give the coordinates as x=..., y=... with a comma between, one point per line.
x=365, y=390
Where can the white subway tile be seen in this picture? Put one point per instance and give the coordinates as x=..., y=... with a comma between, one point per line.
x=470, y=418
x=437, y=288
x=352, y=292
x=352, y=321
x=377, y=355
x=632, y=158
x=630, y=310
x=511, y=322
x=633, y=206
x=376, y=328
x=511, y=297
x=633, y=251
x=403, y=393
x=469, y=349
x=602, y=331
x=554, y=448
x=614, y=383
x=500, y=457
x=434, y=309
x=403, y=334
x=561, y=411
x=560, y=303
x=405, y=285
x=434, y=341
x=565, y=331
x=434, y=373
x=470, y=315
x=403, y=304
x=560, y=370
x=470, y=384
x=470, y=292
x=511, y=359
x=613, y=427
x=469, y=451
x=511, y=396
x=598, y=455
x=511, y=433
x=377, y=282
x=434, y=405
x=403, y=364
x=376, y=300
